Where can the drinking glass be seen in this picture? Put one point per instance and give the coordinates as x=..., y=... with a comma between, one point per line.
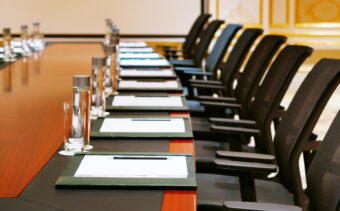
x=74, y=128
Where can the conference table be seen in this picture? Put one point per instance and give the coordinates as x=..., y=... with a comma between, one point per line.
x=31, y=134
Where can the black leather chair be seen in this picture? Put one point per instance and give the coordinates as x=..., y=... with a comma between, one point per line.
x=215, y=58
x=247, y=82
x=190, y=40
x=264, y=109
x=234, y=61
x=200, y=50
x=292, y=137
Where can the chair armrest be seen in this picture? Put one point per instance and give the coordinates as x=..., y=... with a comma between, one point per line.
x=246, y=172
x=198, y=73
x=235, y=130
x=192, y=69
x=246, y=156
x=219, y=104
x=233, y=122
x=207, y=165
x=246, y=166
x=212, y=82
x=208, y=86
x=182, y=62
x=216, y=99
x=255, y=206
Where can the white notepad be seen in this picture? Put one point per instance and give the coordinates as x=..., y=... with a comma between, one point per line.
x=15, y=50
x=108, y=166
x=148, y=84
x=132, y=44
x=175, y=101
x=136, y=50
x=141, y=72
x=139, y=56
x=143, y=125
x=16, y=43
x=144, y=62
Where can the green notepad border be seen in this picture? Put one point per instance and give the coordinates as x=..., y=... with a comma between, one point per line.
x=67, y=179
x=95, y=127
x=109, y=106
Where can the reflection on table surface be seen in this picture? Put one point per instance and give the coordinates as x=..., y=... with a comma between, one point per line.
x=31, y=117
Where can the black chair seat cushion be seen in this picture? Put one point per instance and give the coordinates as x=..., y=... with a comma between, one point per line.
x=196, y=109
x=220, y=188
x=184, y=62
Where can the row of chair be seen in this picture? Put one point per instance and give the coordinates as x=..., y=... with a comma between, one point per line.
x=228, y=169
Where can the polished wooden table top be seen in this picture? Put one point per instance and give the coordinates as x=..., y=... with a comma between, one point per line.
x=31, y=117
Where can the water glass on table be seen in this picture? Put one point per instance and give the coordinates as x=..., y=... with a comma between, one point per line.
x=97, y=88
x=74, y=128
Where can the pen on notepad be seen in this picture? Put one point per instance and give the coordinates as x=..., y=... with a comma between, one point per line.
x=140, y=158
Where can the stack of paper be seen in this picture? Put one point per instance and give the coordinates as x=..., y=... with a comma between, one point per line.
x=170, y=101
x=148, y=84
x=15, y=50
x=143, y=125
x=133, y=166
x=132, y=44
x=136, y=50
x=145, y=72
x=16, y=43
x=139, y=56
x=144, y=62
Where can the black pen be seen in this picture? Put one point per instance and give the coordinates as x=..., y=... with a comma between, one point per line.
x=139, y=158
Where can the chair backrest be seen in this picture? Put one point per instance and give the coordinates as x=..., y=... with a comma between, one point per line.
x=193, y=34
x=323, y=177
x=207, y=35
x=249, y=80
x=220, y=48
x=231, y=67
x=272, y=90
x=295, y=129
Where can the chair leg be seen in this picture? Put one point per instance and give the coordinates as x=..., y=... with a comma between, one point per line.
x=247, y=186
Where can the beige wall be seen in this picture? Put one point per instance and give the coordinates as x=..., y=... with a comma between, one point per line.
x=87, y=16
x=313, y=22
